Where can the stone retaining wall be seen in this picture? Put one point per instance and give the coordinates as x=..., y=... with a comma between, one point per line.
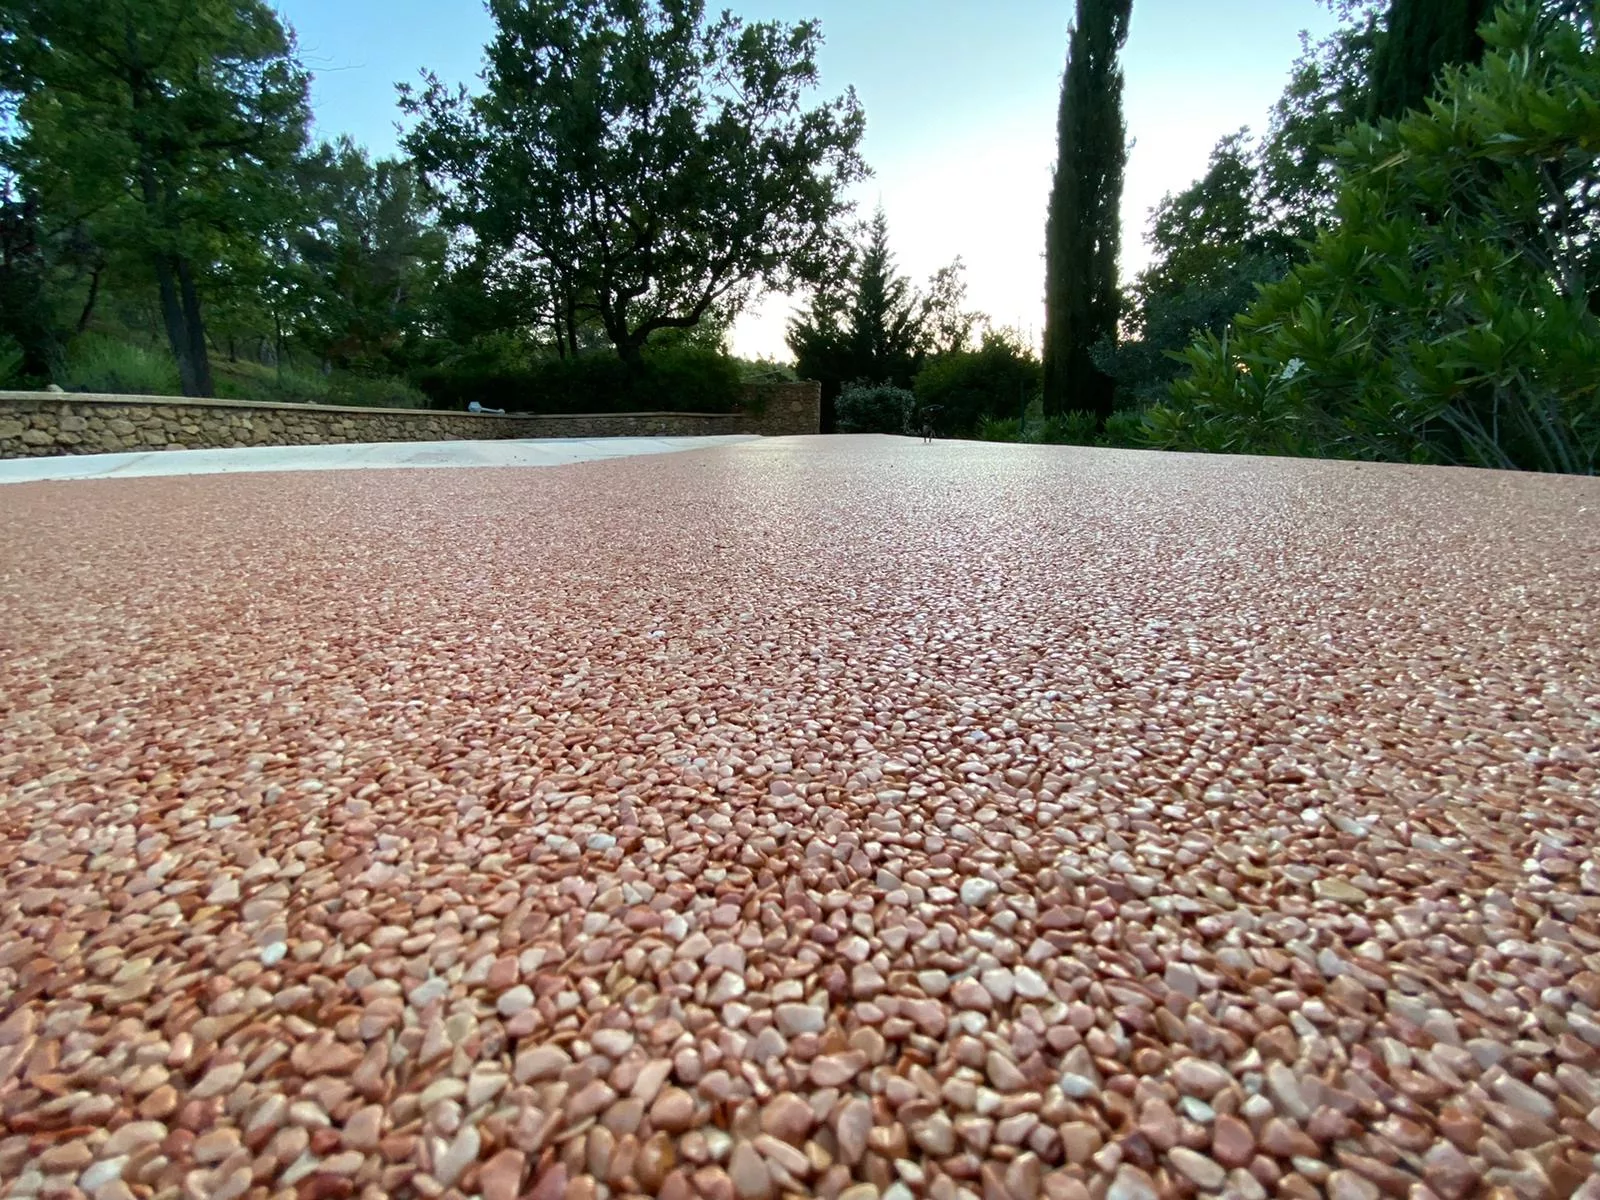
x=33, y=424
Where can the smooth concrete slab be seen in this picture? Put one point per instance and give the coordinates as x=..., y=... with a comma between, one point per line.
x=532, y=452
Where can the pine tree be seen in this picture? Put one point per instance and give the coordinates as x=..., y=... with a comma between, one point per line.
x=885, y=319
x=1421, y=39
x=870, y=325
x=1082, y=235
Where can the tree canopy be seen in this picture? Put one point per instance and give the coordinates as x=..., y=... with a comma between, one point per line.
x=368, y=254
x=1212, y=244
x=653, y=166
x=162, y=128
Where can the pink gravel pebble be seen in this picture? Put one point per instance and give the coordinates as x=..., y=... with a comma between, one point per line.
x=844, y=817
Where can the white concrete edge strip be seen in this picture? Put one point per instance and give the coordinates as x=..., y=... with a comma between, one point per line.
x=358, y=456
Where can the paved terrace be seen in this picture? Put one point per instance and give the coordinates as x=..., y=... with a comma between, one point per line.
x=845, y=817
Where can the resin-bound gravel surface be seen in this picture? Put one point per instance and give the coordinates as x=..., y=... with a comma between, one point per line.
x=849, y=818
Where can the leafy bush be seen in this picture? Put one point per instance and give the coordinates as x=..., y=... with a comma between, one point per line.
x=999, y=429
x=1122, y=429
x=96, y=363
x=682, y=378
x=998, y=379
x=766, y=370
x=1450, y=316
x=1068, y=429
x=874, y=408
x=1125, y=428
x=690, y=378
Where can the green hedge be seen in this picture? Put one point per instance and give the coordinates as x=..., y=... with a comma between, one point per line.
x=679, y=379
x=874, y=408
x=997, y=380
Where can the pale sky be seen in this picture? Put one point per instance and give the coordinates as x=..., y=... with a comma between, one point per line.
x=960, y=97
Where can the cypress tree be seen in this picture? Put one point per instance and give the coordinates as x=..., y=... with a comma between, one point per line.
x=1082, y=236
x=1422, y=38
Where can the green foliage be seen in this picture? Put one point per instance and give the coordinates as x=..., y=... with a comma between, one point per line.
x=766, y=370
x=1214, y=244
x=1450, y=314
x=1328, y=94
x=690, y=379
x=11, y=362
x=999, y=429
x=101, y=363
x=869, y=323
x=1075, y=428
x=948, y=324
x=163, y=128
x=495, y=373
x=1121, y=429
x=960, y=389
x=1199, y=236
x=96, y=363
x=874, y=408
x=641, y=165
x=1083, y=234
x=883, y=336
x=1125, y=428
x=374, y=391
x=27, y=271
x=283, y=384
x=367, y=256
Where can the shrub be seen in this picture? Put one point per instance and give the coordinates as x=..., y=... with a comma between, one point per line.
x=999, y=429
x=96, y=363
x=1068, y=429
x=690, y=378
x=874, y=408
x=681, y=378
x=1450, y=314
x=998, y=379
x=1125, y=428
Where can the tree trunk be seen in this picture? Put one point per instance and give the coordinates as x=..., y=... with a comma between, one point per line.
x=1421, y=38
x=556, y=328
x=94, y=295
x=172, y=318
x=631, y=353
x=196, y=329
x=170, y=272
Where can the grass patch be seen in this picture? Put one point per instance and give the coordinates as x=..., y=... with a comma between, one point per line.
x=96, y=363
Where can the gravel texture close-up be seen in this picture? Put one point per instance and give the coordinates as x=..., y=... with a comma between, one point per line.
x=843, y=817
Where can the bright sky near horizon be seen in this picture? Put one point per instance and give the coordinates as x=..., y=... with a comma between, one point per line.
x=960, y=99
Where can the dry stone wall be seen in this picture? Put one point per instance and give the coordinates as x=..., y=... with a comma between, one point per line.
x=34, y=424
